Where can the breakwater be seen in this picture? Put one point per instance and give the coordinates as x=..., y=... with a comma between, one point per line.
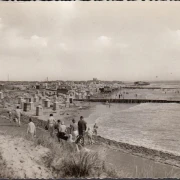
x=128, y=100
x=153, y=88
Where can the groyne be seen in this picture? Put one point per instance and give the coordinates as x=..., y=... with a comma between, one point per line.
x=153, y=88
x=128, y=100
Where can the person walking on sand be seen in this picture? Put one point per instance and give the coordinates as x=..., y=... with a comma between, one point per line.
x=18, y=114
x=82, y=126
x=74, y=129
x=51, y=124
x=31, y=128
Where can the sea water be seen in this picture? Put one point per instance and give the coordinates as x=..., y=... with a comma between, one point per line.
x=151, y=125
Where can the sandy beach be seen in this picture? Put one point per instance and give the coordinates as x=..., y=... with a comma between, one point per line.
x=129, y=160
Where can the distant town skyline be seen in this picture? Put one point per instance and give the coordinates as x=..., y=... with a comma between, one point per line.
x=123, y=41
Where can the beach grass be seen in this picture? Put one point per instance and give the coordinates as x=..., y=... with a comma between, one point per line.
x=65, y=161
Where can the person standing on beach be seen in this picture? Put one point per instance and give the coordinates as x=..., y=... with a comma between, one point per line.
x=82, y=126
x=31, y=128
x=74, y=129
x=18, y=116
x=95, y=127
x=62, y=127
x=62, y=131
x=51, y=124
x=10, y=116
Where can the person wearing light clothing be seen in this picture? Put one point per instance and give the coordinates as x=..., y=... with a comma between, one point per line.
x=18, y=114
x=31, y=128
x=74, y=129
x=51, y=124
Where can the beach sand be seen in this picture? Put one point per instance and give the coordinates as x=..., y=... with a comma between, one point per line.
x=22, y=158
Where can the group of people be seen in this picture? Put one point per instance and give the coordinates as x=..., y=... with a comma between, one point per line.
x=16, y=117
x=76, y=132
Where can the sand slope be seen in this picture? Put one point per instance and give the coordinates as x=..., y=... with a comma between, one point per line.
x=23, y=158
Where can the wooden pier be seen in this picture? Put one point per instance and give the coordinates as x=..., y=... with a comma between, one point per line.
x=125, y=101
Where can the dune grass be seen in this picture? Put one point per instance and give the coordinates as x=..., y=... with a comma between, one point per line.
x=66, y=162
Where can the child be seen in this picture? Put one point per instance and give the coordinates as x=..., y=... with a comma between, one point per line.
x=89, y=134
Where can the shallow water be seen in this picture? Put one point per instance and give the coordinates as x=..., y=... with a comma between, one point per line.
x=150, y=125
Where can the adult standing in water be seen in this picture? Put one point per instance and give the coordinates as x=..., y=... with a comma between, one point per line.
x=51, y=124
x=82, y=126
x=18, y=116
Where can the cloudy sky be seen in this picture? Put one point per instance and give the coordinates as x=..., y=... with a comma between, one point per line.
x=80, y=40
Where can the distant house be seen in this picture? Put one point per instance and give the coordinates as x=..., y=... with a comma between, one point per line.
x=51, y=92
x=1, y=86
x=38, y=86
x=105, y=89
x=63, y=89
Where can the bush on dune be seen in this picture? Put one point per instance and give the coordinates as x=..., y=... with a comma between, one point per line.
x=82, y=164
x=65, y=161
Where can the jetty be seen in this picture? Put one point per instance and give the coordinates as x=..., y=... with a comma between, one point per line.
x=128, y=100
x=148, y=87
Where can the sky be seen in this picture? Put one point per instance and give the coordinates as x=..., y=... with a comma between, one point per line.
x=125, y=41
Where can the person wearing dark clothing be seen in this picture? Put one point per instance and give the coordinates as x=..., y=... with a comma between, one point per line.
x=81, y=126
x=81, y=129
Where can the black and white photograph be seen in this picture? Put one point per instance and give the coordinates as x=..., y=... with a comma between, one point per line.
x=89, y=89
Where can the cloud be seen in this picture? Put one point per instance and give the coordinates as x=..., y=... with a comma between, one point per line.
x=63, y=46
x=38, y=41
x=79, y=41
x=122, y=45
x=104, y=40
x=1, y=24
